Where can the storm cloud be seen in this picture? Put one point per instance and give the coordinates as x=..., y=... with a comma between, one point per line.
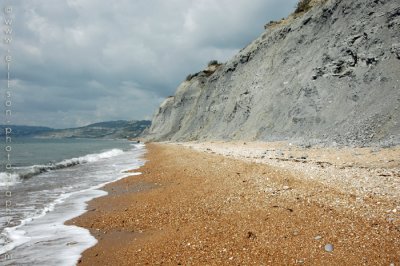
x=77, y=62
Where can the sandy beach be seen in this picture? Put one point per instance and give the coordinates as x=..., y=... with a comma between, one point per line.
x=250, y=203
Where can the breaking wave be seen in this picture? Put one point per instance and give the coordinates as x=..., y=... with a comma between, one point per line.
x=8, y=179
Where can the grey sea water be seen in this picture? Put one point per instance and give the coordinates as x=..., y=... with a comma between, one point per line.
x=50, y=182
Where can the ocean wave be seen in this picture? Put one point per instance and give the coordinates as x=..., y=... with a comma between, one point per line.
x=8, y=179
x=19, y=235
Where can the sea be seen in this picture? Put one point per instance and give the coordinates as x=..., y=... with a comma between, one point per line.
x=50, y=182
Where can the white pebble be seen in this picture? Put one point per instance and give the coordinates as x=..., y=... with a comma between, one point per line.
x=329, y=247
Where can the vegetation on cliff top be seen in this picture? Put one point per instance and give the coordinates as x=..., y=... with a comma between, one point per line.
x=212, y=66
x=303, y=6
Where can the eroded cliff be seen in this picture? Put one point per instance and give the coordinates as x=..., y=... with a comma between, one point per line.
x=330, y=75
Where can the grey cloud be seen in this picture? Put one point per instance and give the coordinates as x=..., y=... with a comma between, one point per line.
x=83, y=61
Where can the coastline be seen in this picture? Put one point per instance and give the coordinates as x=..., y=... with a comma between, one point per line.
x=57, y=192
x=192, y=207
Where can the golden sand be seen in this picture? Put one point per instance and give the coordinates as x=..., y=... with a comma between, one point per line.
x=193, y=208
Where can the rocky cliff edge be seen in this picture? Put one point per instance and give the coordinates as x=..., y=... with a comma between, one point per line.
x=329, y=75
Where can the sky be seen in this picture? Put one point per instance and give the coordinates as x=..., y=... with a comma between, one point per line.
x=76, y=62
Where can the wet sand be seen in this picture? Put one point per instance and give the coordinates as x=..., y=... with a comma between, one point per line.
x=191, y=207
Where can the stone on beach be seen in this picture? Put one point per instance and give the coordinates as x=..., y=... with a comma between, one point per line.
x=329, y=247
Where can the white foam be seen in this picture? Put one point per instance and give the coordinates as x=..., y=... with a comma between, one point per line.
x=7, y=179
x=49, y=236
x=39, y=238
x=18, y=236
x=91, y=157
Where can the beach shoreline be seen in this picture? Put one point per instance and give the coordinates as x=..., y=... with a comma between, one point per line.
x=206, y=203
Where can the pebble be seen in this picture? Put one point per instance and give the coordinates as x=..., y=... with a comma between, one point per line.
x=329, y=247
x=318, y=237
x=251, y=235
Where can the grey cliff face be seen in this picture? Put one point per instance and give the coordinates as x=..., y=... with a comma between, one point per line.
x=329, y=76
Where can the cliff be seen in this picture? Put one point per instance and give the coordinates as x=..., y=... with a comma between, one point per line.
x=328, y=75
